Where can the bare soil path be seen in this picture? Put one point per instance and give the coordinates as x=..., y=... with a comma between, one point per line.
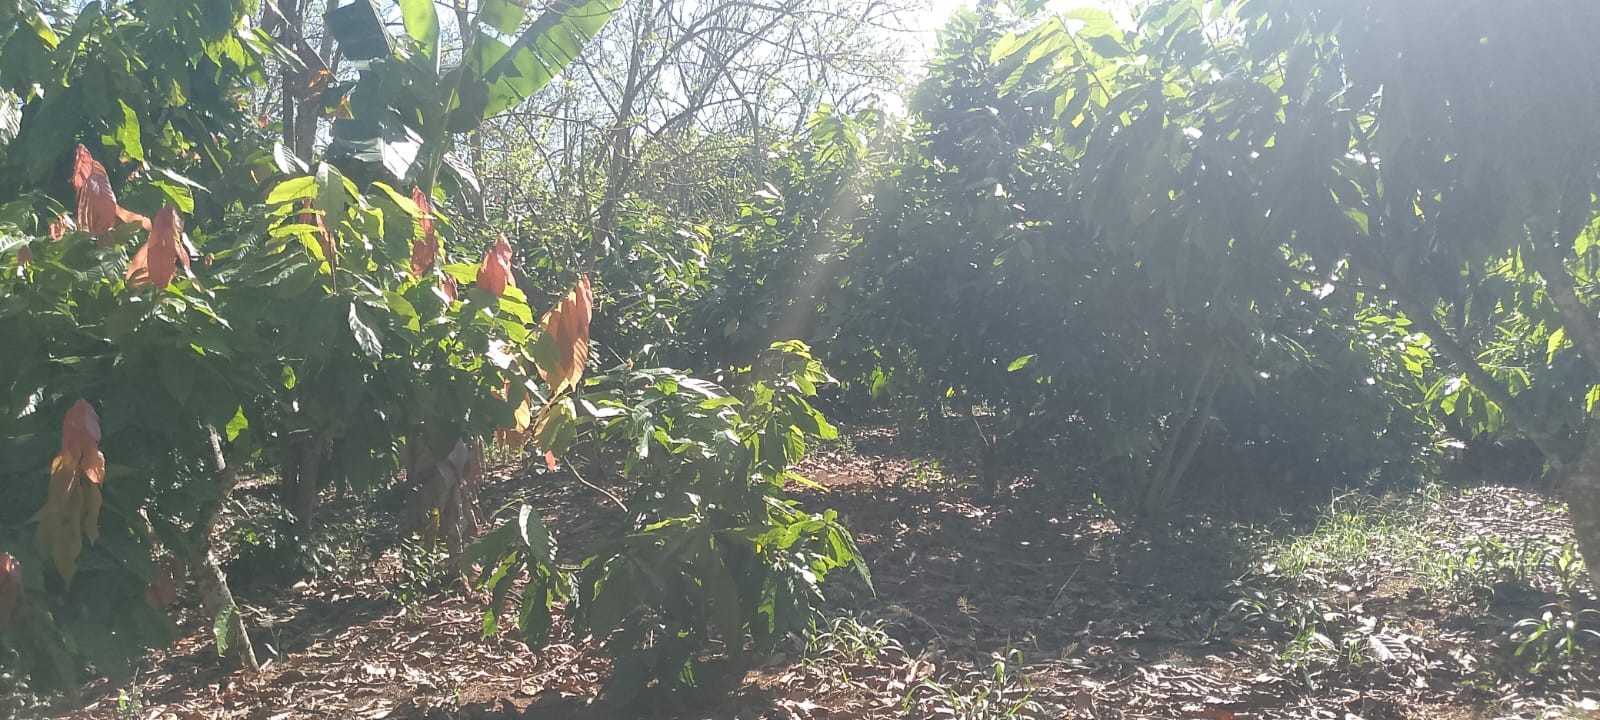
x=1046, y=604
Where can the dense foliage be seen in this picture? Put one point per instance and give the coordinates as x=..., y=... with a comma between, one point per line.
x=322, y=323
x=1306, y=241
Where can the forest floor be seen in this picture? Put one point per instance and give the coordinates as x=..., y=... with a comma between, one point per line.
x=1048, y=603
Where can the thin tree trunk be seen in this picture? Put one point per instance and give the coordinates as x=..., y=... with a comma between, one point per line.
x=216, y=599
x=1583, y=503
x=1169, y=449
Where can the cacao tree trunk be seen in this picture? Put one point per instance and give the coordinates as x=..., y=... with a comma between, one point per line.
x=216, y=599
x=1583, y=503
x=443, y=503
x=301, y=484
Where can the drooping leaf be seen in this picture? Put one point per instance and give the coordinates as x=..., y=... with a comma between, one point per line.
x=97, y=203
x=495, y=273
x=424, y=251
x=366, y=337
x=568, y=326
x=72, y=508
x=156, y=261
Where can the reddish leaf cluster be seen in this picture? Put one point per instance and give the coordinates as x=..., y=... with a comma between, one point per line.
x=568, y=325
x=425, y=250
x=72, y=510
x=495, y=274
x=11, y=592
x=156, y=261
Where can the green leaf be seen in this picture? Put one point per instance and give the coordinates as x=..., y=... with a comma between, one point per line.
x=237, y=425
x=502, y=15
x=422, y=24
x=545, y=352
x=542, y=51
x=533, y=618
x=219, y=628
x=127, y=133
x=299, y=188
x=366, y=337
x=1554, y=345
x=534, y=534
x=1020, y=363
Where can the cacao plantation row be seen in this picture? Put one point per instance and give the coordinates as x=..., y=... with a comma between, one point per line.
x=266, y=265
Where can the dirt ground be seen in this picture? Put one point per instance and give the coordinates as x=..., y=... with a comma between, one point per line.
x=1047, y=603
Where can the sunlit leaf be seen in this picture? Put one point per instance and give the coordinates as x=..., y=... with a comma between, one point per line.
x=568, y=326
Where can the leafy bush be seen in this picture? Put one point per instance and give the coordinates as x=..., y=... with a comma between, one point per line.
x=713, y=553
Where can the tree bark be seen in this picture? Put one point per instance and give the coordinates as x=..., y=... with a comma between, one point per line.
x=1583, y=503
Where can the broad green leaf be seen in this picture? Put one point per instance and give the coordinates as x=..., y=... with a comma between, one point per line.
x=543, y=50
x=293, y=189
x=503, y=15
x=534, y=535
x=421, y=20
x=127, y=133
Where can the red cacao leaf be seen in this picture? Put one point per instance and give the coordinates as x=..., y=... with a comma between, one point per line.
x=11, y=591
x=550, y=461
x=448, y=287
x=425, y=250
x=495, y=274
x=25, y=256
x=97, y=203
x=72, y=509
x=80, y=440
x=156, y=261
x=568, y=325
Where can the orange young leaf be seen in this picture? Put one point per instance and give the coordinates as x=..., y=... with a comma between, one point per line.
x=72, y=509
x=156, y=261
x=11, y=592
x=550, y=461
x=568, y=325
x=425, y=250
x=495, y=274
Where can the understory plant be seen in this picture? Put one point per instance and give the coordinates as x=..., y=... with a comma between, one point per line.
x=715, y=560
